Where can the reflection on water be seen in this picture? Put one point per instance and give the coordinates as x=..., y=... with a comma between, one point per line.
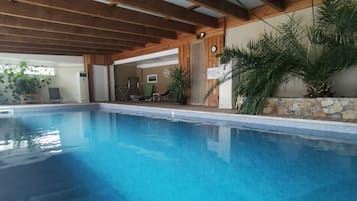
x=20, y=143
x=50, y=134
x=154, y=160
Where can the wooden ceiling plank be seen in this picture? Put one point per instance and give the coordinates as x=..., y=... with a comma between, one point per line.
x=49, y=47
x=224, y=7
x=66, y=37
x=11, y=21
x=55, y=42
x=171, y=10
x=46, y=52
x=278, y=5
x=101, y=10
x=28, y=11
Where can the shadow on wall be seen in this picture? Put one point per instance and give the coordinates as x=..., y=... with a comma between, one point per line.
x=345, y=85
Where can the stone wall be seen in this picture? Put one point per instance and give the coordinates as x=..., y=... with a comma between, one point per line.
x=332, y=108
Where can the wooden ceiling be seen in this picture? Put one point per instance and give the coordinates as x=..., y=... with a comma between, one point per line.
x=77, y=27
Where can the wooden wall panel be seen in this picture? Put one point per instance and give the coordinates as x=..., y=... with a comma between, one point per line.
x=184, y=57
x=211, y=60
x=213, y=37
x=184, y=61
x=264, y=12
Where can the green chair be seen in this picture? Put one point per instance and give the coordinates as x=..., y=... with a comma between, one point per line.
x=147, y=94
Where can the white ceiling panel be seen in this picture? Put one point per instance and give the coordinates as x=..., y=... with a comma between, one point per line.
x=184, y=3
x=103, y=1
x=209, y=12
x=248, y=3
x=138, y=10
x=181, y=3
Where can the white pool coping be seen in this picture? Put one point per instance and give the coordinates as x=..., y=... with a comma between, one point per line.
x=328, y=129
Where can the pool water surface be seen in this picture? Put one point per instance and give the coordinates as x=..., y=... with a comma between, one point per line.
x=98, y=156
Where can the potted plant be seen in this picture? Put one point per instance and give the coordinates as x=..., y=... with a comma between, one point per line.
x=179, y=83
x=21, y=83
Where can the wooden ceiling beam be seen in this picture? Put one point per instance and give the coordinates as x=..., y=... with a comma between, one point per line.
x=11, y=21
x=65, y=37
x=43, y=51
x=49, y=47
x=278, y=5
x=23, y=39
x=101, y=10
x=171, y=10
x=28, y=11
x=224, y=7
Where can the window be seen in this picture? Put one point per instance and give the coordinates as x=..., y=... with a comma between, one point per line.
x=33, y=70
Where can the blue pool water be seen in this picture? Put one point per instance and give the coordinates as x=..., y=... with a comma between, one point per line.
x=98, y=156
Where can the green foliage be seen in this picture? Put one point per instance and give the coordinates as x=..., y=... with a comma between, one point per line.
x=179, y=83
x=313, y=54
x=20, y=83
x=1, y=82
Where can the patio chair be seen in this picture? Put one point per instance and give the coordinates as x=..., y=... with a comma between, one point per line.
x=55, y=96
x=165, y=95
x=147, y=94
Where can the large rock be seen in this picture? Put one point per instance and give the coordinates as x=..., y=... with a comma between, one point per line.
x=349, y=115
x=282, y=110
x=268, y=110
x=327, y=102
x=344, y=102
x=335, y=108
x=319, y=115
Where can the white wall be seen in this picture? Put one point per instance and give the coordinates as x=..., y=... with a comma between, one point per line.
x=66, y=68
x=241, y=35
x=65, y=80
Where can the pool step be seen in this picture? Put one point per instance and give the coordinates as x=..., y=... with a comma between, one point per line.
x=6, y=113
x=79, y=192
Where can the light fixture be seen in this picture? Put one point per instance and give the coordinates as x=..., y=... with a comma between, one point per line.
x=201, y=35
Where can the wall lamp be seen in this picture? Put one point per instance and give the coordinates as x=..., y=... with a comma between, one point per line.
x=201, y=35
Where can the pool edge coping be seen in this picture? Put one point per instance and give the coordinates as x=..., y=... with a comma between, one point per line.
x=319, y=125
x=292, y=123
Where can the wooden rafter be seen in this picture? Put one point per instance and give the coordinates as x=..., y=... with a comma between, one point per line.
x=66, y=37
x=23, y=39
x=28, y=11
x=101, y=10
x=224, y=7
x=50, y=47
x=44, y=51
x=11, y=21
x=171, y=10
x=278, y=5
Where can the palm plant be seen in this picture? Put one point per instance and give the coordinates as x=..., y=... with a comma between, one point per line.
x=314, y=55
x=179, y=83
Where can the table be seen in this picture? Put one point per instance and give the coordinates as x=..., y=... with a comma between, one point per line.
x=155, y=97
x=30, y=98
